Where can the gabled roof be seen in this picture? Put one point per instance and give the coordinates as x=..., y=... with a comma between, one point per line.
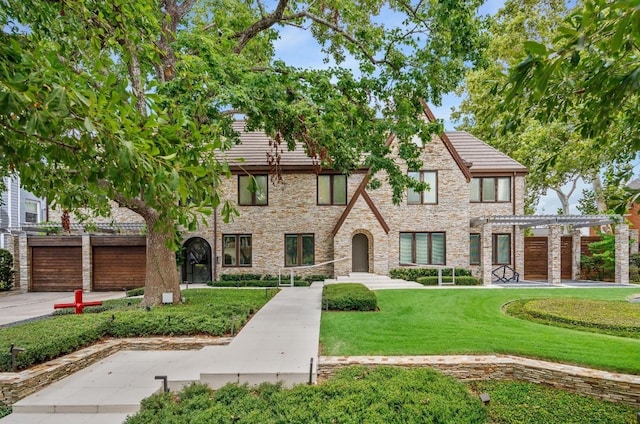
x=481, y=157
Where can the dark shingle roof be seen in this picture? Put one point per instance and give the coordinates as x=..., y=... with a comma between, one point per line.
x=255, y=145
x=481, y=156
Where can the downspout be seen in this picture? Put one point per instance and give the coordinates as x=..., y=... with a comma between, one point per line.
x=215, y=244
x=513, y=229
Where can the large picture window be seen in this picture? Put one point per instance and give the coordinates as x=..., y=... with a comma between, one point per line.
x=490, y=189
x=429, y=196
x=253, y=190
x=237, y=250
x=423, y=248
x=299, y=249
x=332, y=189
x=502, y=249
x=474, y=249
x=31, y=211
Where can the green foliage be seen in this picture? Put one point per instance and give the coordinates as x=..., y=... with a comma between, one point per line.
x=205, y=311
x=448, y=322
x=634, y=268
x=526, y=403
x=354, y=395
x=349, y=297
x=620, y=318
x=600, y=265
x=135, y=292
x=6, y=270
x=257, y=283
x=4, y=411
x=460, y=281
x=412, y=274
x=240, y=277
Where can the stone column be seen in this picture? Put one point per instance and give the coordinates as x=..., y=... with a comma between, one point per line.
x=518, y=235
x=23, y=267
x=622, y=253
x=486, y=257
x=576, y=253
x=554, y=255
x=87, y=265
x=633, y=240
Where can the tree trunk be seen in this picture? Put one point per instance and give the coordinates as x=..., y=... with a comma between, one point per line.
x=601, y=205
x=162, y=271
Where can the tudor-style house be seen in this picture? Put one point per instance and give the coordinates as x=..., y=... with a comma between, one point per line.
x=312, y=217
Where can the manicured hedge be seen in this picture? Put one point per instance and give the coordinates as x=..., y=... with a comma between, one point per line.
x=412, y=274
x=205, y=311
x=460, y=281
x=257, y=283
x=355, y=395
x=349, y=297
x=266, y=277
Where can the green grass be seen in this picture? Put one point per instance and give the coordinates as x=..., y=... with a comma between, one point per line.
x=205, y=312
x=471, y=321
x=527, y=403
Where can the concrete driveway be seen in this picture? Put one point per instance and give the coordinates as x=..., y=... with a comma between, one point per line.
x=16, y=306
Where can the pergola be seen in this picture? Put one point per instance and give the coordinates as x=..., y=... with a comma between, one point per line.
x=555, y=224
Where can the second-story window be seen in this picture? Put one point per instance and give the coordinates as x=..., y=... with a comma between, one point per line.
x=429, y=196
x=332, y=189
x=31, y=208
x=490, y=189
x=253, y=190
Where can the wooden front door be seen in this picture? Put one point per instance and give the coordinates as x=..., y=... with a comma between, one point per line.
x=360, y=253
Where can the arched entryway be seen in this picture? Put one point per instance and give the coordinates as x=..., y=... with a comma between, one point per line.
x=196, y=261
x=360, y=253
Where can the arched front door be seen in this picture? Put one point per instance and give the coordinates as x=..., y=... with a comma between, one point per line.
x=196, y=263
x=360, y=253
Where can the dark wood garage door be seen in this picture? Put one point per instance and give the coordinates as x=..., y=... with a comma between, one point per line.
x=118, y=267
x=536, y=258
x=56, y=268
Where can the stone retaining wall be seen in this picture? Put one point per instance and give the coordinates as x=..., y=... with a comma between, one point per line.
x=613, y=387
x=18, y=385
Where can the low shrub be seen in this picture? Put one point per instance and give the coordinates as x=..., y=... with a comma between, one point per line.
x=6, y=270
x=257, y=283
x=349, y=297
x=354, y=395
x=208, y=312
x=135, y=292
x=412, y=274
x=316, y=277
x=240, y=277
x=460, y=281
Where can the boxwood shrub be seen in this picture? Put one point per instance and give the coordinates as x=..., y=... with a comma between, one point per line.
x=349, y=297
x=412, y=274
x=460, y=281
x=257, y=283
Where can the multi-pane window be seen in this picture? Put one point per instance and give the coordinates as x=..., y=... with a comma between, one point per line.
x=501, y=249
x=236, y=249
x=429, y=196
x=474, y=249
x=422, y=248
x=31, y=211
x=332, y=189
x=490, y=189
x=252, y=190
x=299, y=249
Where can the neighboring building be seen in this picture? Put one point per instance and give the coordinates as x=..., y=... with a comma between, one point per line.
x=19, y=209
x=314, y=217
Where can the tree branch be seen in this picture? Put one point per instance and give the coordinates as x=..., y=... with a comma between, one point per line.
x=44, y=139
x=266, y=22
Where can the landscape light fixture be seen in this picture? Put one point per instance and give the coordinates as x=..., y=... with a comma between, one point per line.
x=484, y=397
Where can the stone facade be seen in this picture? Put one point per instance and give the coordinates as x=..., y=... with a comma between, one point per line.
x=292, y=209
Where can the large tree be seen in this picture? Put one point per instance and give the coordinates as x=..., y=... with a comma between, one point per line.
x=555, y=152
x=588, y=78
x=133, y=100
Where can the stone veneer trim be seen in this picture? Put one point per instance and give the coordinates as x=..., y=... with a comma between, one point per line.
x=604, y=385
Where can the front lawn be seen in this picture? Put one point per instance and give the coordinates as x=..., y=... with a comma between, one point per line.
x=471, y=321
x=205, y=312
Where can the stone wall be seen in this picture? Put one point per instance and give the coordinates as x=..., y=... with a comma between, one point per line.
x=608, y=386
x=18, y=385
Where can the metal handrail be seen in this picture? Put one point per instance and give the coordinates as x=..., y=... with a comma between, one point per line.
x=291, y=269
x=439, y=268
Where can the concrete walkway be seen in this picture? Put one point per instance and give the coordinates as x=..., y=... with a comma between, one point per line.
x=277, y=344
